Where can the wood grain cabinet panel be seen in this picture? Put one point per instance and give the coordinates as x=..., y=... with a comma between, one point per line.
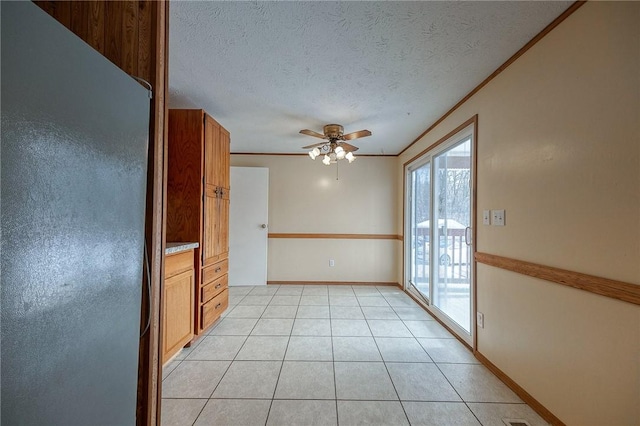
x=198, y=201
x=225, y=163
x=211, y=229
x=215, y=271
x=222, y=242
x=212, y=310
x=210, y=290
x=178, y=263
x=178, y=304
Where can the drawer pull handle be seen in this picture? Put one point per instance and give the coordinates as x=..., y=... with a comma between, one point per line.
x=219, y=285
x=218, y=270
x=218, y=305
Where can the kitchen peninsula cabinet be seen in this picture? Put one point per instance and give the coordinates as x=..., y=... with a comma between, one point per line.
x=198, y=194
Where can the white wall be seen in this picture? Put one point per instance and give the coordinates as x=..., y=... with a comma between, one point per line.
x=305, y=197
x=559, y=149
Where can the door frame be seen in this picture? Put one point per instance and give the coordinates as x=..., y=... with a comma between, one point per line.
x=472, y=124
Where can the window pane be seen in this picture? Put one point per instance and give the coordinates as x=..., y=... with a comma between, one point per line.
x=421, y=206
x=452, y=274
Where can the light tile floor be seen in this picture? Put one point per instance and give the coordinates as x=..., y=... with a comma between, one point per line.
x=334, y=355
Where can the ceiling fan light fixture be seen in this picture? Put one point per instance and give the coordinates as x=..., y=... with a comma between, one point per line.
x=335, y=147
x=314, y=153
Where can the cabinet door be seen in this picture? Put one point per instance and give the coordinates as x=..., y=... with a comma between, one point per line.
x=217, y=158
x=210, y=204
x=223, y=224
x=225, y=159
x=184, y=175
x=216, y=226
x=210, y=226
x=211, y=151
x=178, y=313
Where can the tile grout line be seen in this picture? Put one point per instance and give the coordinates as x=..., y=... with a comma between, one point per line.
x=225, y=371
x=458, y=393
x=333, y=362
x=421, y=347
x=414, y=336
x=244, y=343
x=333, y=352
x=290, y=335
x=180, y=361
x=441, y=372
x=447, y=379
x=231, y=362
x=275, y=388
x=388, y=374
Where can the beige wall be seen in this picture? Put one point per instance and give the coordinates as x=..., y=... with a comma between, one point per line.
x=559, y=150
x=305, y=197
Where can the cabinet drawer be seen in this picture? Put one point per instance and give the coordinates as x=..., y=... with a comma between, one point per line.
x=211, y=289
x=212, y=310
x=177, y=263
x=211, y=273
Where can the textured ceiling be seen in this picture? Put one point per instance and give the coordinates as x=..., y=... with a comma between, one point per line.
x=265, y=70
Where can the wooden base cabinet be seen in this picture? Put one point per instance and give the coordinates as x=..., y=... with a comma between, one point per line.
x=178, y=303
x=198, y=193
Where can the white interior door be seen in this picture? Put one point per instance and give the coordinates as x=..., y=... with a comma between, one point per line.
x=248, y=226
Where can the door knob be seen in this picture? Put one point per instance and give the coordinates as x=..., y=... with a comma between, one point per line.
x=263, y=226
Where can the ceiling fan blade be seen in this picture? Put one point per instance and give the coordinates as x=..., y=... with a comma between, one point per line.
x=348, y=147
x=314, y=145
x=356, y=135
x=312, y=133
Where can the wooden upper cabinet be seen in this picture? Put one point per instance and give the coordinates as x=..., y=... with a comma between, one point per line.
x=198, y=173
x=212, y=157
x=216, y=191
x=217, y=156
x=184, y=177
x=225, y=157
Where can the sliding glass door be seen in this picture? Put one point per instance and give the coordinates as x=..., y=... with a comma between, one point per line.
x=440, y=211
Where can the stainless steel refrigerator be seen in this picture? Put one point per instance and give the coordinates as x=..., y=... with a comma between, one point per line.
x=75, y=132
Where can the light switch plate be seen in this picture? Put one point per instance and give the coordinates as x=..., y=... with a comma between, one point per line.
x=497, y=217
x=486, y=217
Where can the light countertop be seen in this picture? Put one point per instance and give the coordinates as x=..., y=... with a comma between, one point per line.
x=173, y=248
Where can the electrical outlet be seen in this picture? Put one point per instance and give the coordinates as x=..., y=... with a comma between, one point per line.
x=486, y=217
x=497, y=217
x=332, y=262
x=480, y=319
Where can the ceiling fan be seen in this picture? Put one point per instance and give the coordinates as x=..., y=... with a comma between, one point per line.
x=334, y=148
